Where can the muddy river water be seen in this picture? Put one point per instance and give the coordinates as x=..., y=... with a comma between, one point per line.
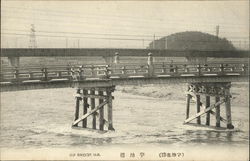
x=42, y=119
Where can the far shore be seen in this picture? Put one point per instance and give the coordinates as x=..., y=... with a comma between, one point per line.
x=239, y=92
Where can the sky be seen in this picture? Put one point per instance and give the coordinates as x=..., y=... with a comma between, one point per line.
x=124, y=24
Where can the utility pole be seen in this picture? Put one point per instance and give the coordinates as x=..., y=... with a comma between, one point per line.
x=154, y=42
x=78, y=42
x=245, y=44
x=7, y=44
x=33, y=43
x=16, y=42
x=217, y=30
x=166, y=42
x=66, y=42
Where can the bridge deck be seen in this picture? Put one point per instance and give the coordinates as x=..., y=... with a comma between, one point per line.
x=122, y=74
x=119, y=81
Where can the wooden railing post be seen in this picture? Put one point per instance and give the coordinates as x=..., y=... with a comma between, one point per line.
x=186, y=69
x=72, y=74
x=59, y=74
x=107, y=71
x=81, y=73
x=69, y=72
x=176, y=69
x=171, y=67
x=124, y=71
x=164, y=68
x=93, y=72
x=150, y=65
x=221, y=68
x=232, y=69
x=199, y=69
x=68, y=68
x=45, y=74
x=244, y=68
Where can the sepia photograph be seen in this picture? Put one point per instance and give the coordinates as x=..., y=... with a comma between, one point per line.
x=162, y=80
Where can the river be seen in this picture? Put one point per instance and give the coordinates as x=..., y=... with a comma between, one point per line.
x=42, y=119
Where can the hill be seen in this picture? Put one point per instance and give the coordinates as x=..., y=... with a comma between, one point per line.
x=192, y=40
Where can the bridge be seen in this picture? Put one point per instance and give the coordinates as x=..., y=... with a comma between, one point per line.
x=108, y=54
x=97, y=82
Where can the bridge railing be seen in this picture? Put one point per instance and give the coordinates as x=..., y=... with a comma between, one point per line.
x=76, y=73
x=179, y=69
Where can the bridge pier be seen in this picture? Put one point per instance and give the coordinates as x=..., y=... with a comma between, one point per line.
x=89, y=97
x=220, y=91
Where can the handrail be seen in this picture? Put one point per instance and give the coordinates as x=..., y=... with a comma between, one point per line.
x=80, y=73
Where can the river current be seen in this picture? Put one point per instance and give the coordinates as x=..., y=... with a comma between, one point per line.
x=43, y=118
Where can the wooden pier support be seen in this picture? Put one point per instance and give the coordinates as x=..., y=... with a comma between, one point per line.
x=92, y=104
x=110, y=110
x=78, y=98
x=208, y=113
x=217, y=112
x=85, y=107
x=91, y=94
x=221, y=92
x=228, y=113
x=101, y=112
x=188, y=105
x=198, y=102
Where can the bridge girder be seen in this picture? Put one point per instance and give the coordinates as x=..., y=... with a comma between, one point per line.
x=110, y=52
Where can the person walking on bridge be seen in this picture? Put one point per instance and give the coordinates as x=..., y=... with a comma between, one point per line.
x=171, y=66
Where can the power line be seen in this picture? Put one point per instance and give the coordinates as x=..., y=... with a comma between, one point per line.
x=131, y=34
x=87, y=23
x=109, y=34
x=105, y=19
x=103, y=34
x=139, y=28
x=76, y=37
x=110, y=16
x=127, y=39
x=83, y=33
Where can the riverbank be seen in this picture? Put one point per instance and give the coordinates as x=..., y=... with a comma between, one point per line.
x=239, y=92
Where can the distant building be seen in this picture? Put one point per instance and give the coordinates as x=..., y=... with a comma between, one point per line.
x=192, y=40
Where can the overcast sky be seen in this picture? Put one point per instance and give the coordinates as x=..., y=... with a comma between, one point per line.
x=108, y=23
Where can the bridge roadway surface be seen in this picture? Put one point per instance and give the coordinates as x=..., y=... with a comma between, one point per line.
x=28, y=78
